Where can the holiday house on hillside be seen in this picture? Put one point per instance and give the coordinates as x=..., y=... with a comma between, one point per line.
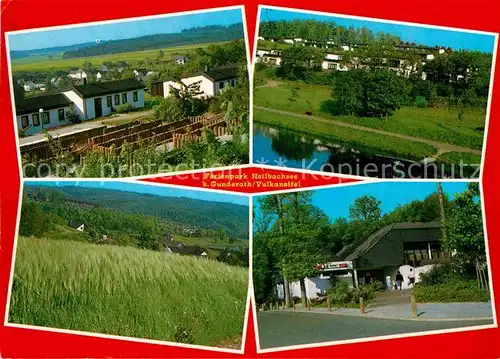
x=78, y=225
x=100, y=99
x=211, y=82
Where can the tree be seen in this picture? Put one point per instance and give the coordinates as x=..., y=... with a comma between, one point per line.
x=18, y=92
x=464, y=224
x=366, y=208
x=384, y=93
x=298, y=63
x=161, y=54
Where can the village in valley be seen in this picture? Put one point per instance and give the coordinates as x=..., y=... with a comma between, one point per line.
x=176, y=259
x=329, y=91
x=139, y=105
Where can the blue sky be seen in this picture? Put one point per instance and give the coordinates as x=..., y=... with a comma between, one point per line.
x=335, y=201
x=426, y=36
x=151, y=189
x=122, y=30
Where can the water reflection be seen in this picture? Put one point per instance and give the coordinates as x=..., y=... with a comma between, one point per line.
x=281, y=147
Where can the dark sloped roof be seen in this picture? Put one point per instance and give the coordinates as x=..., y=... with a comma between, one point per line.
x=46, y=102
x=222, y=73
x=369, y=243
x=358, y=249
x=187, y=250
x=109, y=87
x=75, y=224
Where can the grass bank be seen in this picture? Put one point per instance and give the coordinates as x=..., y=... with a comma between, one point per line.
x=127, y=291
x=356, y=139
x=439, y=124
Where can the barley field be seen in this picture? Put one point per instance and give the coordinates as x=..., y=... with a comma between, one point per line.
x=127, y=291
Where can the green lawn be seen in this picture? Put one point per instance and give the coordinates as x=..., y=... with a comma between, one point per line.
x=43, y=63
x=437, y=124
x=357, y=139
x=127, y=291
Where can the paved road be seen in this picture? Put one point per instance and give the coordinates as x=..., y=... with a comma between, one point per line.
x=441, y=146
x=278, y=329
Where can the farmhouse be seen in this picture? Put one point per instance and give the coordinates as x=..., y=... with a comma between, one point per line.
x=79, y=74
x=396, y=247
x=180, y=59
x=42, y=112
x=100, y=99
x=78, y=225
x=211, y=82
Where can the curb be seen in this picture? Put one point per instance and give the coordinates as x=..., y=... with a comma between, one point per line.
x=367, y=316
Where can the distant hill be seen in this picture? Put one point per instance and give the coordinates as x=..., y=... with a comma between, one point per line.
x=214, y=33
x=22, y=54
x=190, y=212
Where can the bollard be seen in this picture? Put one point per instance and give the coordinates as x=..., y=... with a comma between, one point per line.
x=361, y=305
x=413, y=306
x=276, y=305
x=293, y=301
x=263, y=307
x=329, y=303
x=283, y=304
x=309, y=305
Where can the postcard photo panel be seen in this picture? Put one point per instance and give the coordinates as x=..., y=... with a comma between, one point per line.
x=131, y=97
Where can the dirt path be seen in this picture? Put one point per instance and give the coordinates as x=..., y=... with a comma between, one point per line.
x=441, y=146
x=270, y=83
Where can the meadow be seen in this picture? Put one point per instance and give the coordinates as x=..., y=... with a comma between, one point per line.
x=357, y=139
x=128, y=292
x=44, y=63
x=439, y=124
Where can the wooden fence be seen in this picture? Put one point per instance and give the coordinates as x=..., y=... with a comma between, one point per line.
x=110, y=139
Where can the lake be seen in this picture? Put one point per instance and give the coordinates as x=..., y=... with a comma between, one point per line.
x=281, y=147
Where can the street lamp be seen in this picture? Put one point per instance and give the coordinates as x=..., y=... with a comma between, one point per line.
x=41, y=116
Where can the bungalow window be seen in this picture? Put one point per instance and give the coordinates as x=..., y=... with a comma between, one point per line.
x=109, y=101
x=25, y=121
x=124, y=98
x=135, y=96
x=221, y=85
x=117, y=99
x=60, y=114
x=332, y=66
x=36, y=119
x=45, y=118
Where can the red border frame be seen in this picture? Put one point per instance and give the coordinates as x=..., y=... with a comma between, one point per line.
x=22, y=14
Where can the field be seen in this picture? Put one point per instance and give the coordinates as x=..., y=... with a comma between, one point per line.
x=358, y=139
x=437, y=124
x=43, y=63
x=128, y=292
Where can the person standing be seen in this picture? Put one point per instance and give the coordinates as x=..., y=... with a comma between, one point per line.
x=388, y=283
x=399, y=281
x=411, y=278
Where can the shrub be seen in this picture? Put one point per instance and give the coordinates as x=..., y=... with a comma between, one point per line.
x=73, y=117
x=456, y=290
x=446, y=272
x=124, y=108
x=168, y=110
x=271, y=72
x=420, y=102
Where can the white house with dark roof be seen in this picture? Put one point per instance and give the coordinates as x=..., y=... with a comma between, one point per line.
x=37, y=113
x=211, y=82
x=101, y=99
x=180, y=59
